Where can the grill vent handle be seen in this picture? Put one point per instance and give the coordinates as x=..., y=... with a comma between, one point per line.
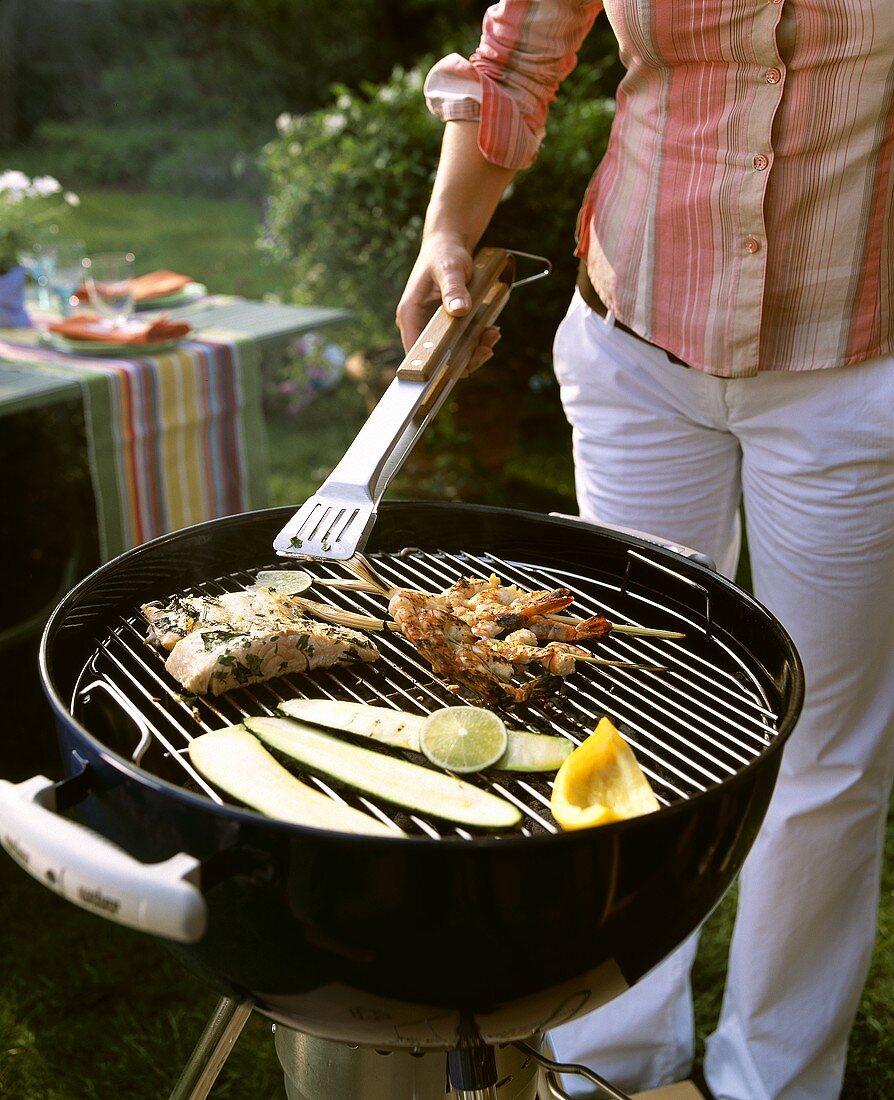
x=675, y=547
x=160, y=898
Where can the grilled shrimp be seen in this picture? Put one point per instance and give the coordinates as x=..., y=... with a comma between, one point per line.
x=549, y=630
x=453, y=651
x=491, y=608
x=462, y=631
x=557, y=658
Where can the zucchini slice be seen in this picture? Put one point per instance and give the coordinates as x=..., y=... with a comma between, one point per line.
x=409, y=785
x=525, y=751
x=236, y=762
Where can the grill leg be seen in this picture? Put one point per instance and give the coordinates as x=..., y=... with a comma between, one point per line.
x=212, y=1050
x=473, y=1072
x=550, y=1078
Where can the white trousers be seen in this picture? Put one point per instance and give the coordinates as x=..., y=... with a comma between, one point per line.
x=672, y=451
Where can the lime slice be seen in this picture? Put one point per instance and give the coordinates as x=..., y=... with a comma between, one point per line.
x=463, y=739
x=288, y=582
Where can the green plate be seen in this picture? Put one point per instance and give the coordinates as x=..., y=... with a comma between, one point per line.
x=95, y=348
x=190, y=293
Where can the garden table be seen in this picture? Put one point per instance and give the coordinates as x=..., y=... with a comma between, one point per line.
x=173, y=438
x=170, y=439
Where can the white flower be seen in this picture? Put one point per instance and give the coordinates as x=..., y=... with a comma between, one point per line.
x=43, y=186
x=13, y=181
x=334, y=123
x=283, y=122
x=28, y=212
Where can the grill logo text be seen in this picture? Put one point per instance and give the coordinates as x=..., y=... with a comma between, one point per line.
x=98, y=900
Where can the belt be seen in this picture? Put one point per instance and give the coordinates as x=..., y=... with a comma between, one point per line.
x=589, y=295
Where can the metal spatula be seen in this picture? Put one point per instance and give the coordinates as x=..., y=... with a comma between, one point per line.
x=335, y=523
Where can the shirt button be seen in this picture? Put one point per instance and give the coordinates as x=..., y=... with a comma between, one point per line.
x=773, y=76
x=752, y=245
x=760, y=162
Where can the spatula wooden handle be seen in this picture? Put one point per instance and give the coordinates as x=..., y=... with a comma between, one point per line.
x=448, y=343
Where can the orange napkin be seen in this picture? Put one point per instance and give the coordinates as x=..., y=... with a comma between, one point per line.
x=87, y=326
x=158, y=284
x=154, y=284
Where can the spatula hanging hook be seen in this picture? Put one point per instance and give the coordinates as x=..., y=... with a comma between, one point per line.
x=547, y=269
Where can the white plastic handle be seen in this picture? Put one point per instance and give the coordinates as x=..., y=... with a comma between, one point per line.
x=161, y=898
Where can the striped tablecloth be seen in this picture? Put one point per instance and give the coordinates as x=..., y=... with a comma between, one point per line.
x=173, y=439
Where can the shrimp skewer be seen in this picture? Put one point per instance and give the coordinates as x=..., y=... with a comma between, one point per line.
x=485, y=665
x=480, y=633
x=447, y=644
x=490, y=608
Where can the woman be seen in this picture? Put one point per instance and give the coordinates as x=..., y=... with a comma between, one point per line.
x=730, y=341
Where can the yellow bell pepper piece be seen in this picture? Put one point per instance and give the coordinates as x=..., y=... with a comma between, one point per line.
x=601, y=781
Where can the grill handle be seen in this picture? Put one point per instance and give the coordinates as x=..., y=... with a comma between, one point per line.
x=674, y=547
x=88, y=870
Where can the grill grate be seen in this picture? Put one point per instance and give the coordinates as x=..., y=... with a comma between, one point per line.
x=692, y=726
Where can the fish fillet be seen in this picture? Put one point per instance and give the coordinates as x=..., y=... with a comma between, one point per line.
x=221, y=642
x=239, y=611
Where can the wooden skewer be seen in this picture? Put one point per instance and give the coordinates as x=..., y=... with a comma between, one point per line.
x=594, y=660
x=340, y=618
x=332, y=614
x=349, y=584
x=368, y=622
x=620, y=628
x=645, y=631
x=358, y=585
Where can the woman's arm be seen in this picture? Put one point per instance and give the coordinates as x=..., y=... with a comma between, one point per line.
x=527, y=48
x=466, y=192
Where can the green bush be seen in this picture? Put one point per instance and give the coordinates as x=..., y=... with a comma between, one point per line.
x=205, y=63
x=348, y=187
x=347, y=192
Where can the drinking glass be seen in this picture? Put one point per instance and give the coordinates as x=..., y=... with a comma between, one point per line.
x=65, y=273
x=36, y=262
x=109, y=281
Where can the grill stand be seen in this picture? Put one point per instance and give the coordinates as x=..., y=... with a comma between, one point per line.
x=550, y=1081
x=230, y=1016
x=212, y=1050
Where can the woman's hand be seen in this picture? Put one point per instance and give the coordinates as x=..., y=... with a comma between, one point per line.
x=466, y=191
x=439, y=276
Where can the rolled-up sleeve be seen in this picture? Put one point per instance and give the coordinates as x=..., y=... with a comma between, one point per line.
x=527, y=49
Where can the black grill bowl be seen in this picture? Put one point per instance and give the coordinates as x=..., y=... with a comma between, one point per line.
x=425, y=942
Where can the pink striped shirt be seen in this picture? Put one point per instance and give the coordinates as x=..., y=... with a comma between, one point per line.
x=742, y=217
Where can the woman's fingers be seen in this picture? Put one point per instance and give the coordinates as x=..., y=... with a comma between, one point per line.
x=414, y=311
x=452, y=272
x=439, y=276
x=484, y=351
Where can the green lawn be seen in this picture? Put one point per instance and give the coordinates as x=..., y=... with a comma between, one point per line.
x=212, y=241
x=90, y=1011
